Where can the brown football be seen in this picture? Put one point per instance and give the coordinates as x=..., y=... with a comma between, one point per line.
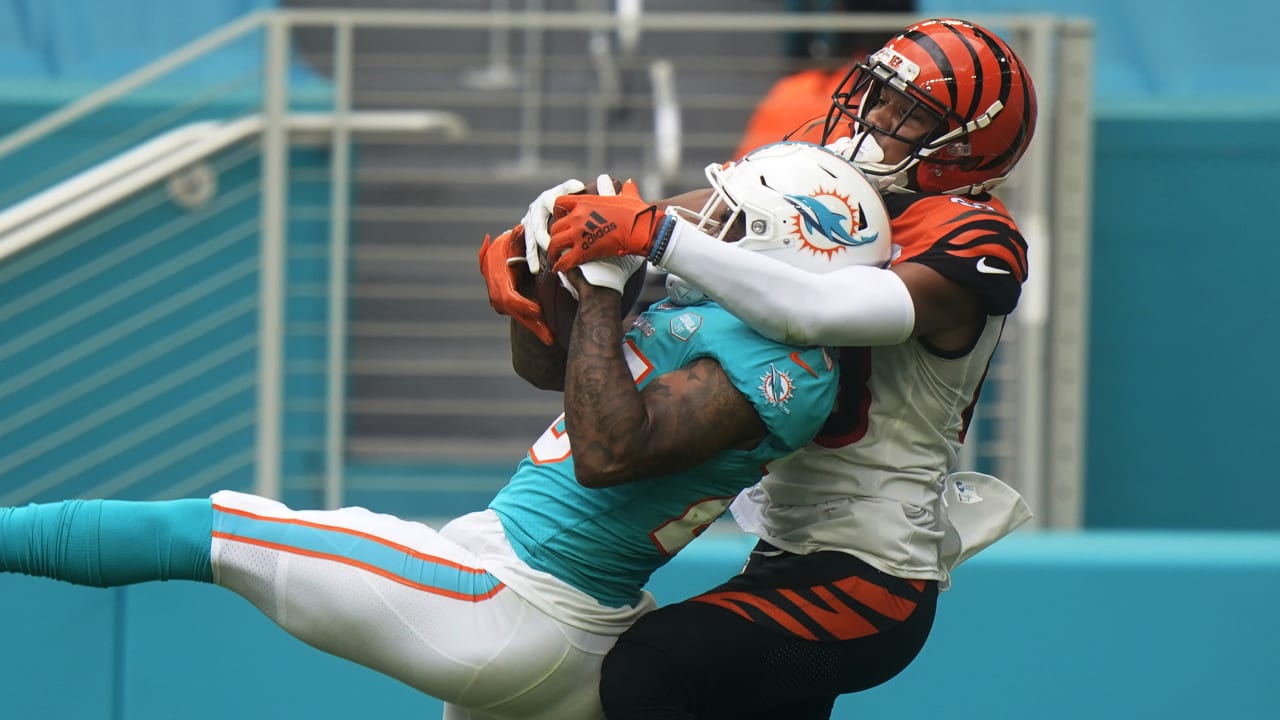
x=559, y=307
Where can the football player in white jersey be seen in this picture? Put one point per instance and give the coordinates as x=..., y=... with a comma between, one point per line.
x=507, y=613
x=856, y=538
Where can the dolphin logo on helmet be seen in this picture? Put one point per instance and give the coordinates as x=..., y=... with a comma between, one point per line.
x=796, y=202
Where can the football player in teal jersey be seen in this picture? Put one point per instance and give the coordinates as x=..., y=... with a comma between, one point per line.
x=860, y=530
x=508, y=612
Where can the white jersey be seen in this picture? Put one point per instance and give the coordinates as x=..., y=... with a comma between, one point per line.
x=872, y=483
x=874, y=489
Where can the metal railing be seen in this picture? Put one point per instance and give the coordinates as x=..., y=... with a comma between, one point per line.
x=92, y=191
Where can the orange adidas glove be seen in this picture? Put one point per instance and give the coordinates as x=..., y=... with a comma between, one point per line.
x=501, y=262
x=589, y=227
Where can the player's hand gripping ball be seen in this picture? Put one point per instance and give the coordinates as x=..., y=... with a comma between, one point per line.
x=560, y=307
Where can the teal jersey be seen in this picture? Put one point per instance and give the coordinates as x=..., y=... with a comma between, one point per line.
x=606, y=542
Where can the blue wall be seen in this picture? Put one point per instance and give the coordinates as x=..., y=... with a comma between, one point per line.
x=90, y=41
x=1184, y=340
x=1189, y=51
x=1053, y=627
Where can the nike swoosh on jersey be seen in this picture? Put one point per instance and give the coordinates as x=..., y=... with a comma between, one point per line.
x=983, y=267
x=795, y=358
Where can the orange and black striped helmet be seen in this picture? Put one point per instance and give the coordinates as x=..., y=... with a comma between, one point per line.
x=966, y=85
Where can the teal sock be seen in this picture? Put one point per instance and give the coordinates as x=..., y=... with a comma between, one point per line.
x=106, y=543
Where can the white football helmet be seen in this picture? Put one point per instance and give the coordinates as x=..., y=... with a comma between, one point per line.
x=796, y=202
x=799, y=203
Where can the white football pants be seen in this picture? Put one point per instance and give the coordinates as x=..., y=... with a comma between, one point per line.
x=398, y=597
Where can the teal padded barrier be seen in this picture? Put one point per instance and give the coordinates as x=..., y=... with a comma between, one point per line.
x=1107, y=625
x=59, y=653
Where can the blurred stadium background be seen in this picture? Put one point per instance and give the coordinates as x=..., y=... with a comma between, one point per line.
x=237, y=250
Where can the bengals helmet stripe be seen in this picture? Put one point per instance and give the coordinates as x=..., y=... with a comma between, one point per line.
x=930, y=46
x=1004, y=56
x=984, y=98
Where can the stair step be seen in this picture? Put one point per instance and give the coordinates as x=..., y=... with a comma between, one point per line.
x=430, y=369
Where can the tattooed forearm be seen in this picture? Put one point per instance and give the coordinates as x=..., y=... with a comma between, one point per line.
x=618, y=433
x=707, y=414
x=601, y=402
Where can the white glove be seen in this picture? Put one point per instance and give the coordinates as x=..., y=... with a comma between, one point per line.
x=610, y=272
x=536, y=220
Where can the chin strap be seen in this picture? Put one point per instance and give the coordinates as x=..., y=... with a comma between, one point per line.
x=979, y=188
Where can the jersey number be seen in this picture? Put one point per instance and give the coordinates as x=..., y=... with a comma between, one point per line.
x=677, y=532
x=848, y=421
x=551, y=446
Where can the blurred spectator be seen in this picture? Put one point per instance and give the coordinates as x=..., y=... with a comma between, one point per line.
x=824, y=44
x=801, y=97
x=794, y=102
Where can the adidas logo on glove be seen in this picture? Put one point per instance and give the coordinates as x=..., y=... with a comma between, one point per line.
x=597, y=227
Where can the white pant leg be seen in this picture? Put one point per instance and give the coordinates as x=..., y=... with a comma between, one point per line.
x=395, y=596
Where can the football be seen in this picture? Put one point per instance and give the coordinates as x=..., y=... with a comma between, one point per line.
x=559, y=307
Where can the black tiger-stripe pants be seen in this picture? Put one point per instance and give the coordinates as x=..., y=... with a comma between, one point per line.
x=779, y=641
